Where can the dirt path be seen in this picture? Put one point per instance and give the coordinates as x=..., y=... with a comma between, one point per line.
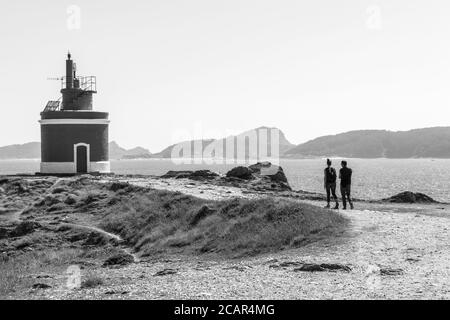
x=108, y=235
x=392, y=255
x=395, y=255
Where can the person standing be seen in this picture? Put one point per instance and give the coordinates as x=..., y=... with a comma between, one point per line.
x=345, y=174
x=330, y=184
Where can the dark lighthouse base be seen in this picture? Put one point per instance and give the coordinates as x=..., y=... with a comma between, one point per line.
x=74, y=142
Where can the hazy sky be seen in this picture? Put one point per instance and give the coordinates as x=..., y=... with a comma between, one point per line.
x=163, y=67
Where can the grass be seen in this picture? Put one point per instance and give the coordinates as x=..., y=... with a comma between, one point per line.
x=15, y=273
x=162, y=221
x=18, y=273
x=156, y=221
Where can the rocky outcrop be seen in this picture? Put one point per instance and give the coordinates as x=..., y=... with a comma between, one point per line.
x=240, y=173
x=314, y=267
x=165, y=272
x=261, y=176
x=193, y=175
x=257, y=170
x=274, y=172
x=410, y=197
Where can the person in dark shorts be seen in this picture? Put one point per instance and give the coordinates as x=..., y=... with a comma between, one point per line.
x=345, y=174
x=330, y=184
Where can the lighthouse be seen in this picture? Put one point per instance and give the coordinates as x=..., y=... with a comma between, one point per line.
x=74, y=137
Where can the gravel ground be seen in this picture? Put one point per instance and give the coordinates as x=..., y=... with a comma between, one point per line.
x=391, y=256
x=394, y=252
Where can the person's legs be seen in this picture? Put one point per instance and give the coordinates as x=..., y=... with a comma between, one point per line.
x=333, y=192
x=344, y=201
x=348, y=191
x=328, y=188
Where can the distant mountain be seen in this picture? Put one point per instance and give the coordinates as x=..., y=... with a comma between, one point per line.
x=32, y=150
x=167, y=152
x=418, y=143
x=117, y=152
x=257, y=133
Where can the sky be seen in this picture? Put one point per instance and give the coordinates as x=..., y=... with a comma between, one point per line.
x=171, y=69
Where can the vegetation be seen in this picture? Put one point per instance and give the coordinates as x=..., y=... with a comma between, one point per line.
x=163, y=221
x=16, y=273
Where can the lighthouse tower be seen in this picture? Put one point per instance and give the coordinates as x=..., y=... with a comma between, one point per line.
x=74, y=137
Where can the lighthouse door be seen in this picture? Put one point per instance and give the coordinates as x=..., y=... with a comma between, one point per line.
x=81, y=159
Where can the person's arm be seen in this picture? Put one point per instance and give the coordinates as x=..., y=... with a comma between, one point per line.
x=325, y=178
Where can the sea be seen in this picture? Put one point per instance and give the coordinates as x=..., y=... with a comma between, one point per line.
x=372, y=178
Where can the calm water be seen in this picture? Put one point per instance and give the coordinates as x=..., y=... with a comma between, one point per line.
x=372, y=179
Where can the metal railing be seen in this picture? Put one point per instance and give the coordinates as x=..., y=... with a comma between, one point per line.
x=53, y=105
x=86, y=83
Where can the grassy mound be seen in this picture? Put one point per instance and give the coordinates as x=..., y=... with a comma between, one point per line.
x=162, y=221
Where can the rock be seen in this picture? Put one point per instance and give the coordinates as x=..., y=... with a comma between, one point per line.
x=165, y=272
x=92, y=282
x=274, y=172
x=264, y=176
x=114, y=200
x=390, y=272
x=3, y=180
x=203, y=174
x=19, y=186
x=41, y=286
x=119, y=259
x=118, y=186
x=240, y=172
x=50, y=200
x=257, y=167
x=24, y=228
x=116, y=292
x=279, y=176
x=96, y=239
x=3, y=233
x=56, y=207
x=410, y=197
x=177, y=174
x=92, y=199
x=286, y=264
x=194, y=175
x=22, y=243
x=70, y=200
x=201, y=214
x=59, y=190
x=313, y=267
